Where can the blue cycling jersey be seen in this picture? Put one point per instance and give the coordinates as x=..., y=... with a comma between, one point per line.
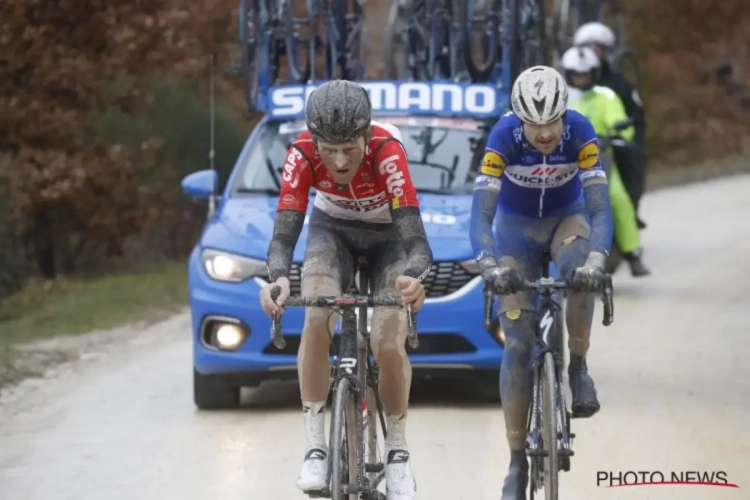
x=534, y=184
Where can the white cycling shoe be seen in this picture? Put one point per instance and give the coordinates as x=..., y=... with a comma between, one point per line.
x=399, y=478
x=312, y=477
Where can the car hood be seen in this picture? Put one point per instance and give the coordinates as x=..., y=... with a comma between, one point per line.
x=245, y=226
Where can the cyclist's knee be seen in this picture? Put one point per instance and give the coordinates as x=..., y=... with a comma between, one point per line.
x=519, y=328
x=571, y=253
x=318, y=320
x=388, y=334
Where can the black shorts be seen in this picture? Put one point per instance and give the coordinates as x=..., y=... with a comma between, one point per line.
x=334, y=245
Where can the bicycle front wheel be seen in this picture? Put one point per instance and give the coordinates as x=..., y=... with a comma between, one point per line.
x=549, y=427
x=344, y=442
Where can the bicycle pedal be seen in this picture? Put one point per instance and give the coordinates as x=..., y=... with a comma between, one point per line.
x=566, y=453
x=374, y=467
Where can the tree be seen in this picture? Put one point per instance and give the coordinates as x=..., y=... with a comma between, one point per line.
x=55, y=56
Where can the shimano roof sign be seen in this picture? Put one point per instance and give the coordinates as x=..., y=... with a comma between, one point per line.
x=409, y=98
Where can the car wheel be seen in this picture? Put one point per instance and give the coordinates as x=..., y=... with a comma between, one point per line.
x=210, y=394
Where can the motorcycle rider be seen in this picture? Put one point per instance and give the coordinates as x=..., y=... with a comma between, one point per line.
x=542, y=183
x=366, y=205
x=604, y=109
x=632, y=162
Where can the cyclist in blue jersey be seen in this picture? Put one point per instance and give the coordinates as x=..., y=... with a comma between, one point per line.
x=543, y=185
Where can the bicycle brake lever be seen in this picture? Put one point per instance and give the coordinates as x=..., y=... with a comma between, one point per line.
x=411, y=320
x=276, y=335
x=608, y=302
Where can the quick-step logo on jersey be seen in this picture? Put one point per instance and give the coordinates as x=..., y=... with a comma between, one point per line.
x=538, y=176
x=413, y=98
x=589, y=156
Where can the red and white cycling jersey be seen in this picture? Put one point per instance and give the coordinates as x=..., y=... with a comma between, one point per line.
x=382, y=178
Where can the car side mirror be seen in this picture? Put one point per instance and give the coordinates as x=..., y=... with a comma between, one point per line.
x=202, y=184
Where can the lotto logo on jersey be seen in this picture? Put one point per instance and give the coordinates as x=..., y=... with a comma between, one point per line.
x=395, y=178
x=589, y=156
x=492, y=164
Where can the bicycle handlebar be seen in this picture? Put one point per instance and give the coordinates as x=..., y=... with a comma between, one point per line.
x=550, y=284
x=342, y=302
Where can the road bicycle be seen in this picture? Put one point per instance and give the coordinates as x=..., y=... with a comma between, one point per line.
x=355, y=464
x=549, y=438
x=428, y=42
x=512, y=36
x=343, y=41
x=269, y=30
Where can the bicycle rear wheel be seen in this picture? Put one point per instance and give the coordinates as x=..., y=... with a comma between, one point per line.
x=343, y=443
x=550, y=427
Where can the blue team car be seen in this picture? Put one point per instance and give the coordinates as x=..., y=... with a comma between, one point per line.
x=444, y=128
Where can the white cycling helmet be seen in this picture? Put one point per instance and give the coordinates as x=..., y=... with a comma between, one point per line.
x=594, y=34
x=539, y=95
x=581, y=60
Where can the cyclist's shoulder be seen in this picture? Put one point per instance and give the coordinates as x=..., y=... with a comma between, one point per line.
x=382, y=131
x=506, y=133
x=304, y=142
x=578, y=127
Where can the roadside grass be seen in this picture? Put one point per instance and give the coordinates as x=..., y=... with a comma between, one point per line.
x=76, y=306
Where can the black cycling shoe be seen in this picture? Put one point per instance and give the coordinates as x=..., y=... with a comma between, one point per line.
x=637, y=267
x=517, y=480
x=585, y=403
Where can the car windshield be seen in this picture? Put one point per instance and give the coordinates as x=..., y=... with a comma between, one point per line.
x=444, y=153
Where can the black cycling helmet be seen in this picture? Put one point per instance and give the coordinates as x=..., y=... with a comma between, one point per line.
x=338, y=111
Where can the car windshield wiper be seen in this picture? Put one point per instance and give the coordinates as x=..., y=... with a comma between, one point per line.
x=267, y=191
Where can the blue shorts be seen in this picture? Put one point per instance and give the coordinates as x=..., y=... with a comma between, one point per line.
x=520, y=241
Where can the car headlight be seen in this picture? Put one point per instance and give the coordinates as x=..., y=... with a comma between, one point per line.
x=224, y=266
x=471, y=266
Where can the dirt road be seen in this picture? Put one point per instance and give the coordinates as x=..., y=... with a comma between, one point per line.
x=672, y=374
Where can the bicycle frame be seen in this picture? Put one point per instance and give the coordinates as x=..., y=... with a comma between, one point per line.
x=354, y=374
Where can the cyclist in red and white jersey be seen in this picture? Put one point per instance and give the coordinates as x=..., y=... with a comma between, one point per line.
x=366, y=205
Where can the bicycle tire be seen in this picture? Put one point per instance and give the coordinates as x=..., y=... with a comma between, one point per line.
x=251, y=51
x=299, y=73
x=559, y=26
x=390, y=39
x=542, y=52
x=480, y=72
x=513, y=43
x=341, y=430
x=549, y=427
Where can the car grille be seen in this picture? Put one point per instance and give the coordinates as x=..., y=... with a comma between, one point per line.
x=444, y=279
